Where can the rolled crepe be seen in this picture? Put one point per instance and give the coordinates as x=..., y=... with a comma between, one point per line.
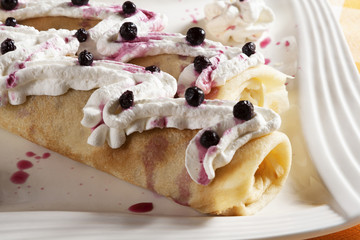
x=155, y=159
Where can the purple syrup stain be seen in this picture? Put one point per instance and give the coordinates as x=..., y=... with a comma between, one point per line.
x=21, y=66
x=101, y=107
x=160, y=123
x=205, y=76
x=153, y=154
x=19, y=177
x=227, y=131
x=134, y=69
x=232, y=27
x=24, y=164
x=46, y=155
x=194, y=20
x=203, y=177
x=264, y=43
x=141, y=207
x=183, y=181
x=11, y=80
x=267, y=61
x=149, y=15
x=30, y=154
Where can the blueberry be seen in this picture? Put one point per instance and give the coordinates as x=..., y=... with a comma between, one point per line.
x=8, y=4
x=200, y=63
x=243, y=110
x=80, y=2
x=249, y=48
x=152, y=68
x=85, y=58
x=81, y=35
x=194, y=96
x=209, y=138
x=126, y=99
x=195, y=36
x=128, y=31
x=7, y=45
x=129, y=7
x=10, y=22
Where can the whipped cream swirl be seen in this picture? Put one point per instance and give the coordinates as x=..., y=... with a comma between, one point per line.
x=104, y=102
x=202, y=162
x=44, y=63
x=227, y=62
x=240, y=20
x=51, y=8
x=150, y=113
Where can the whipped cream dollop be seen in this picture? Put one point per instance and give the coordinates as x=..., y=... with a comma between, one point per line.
x=240, y=20
x=223, y=67
x=202, y=162
x=104, y=101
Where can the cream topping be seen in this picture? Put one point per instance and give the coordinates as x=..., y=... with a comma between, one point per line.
x=201, y=163
x=240, y=20
x=216, y=115
x=96, y=111
x=50, y=8
x=227, y=62
x=223, y=68
x=44, y=63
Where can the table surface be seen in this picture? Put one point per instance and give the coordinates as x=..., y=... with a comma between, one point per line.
x=348, y=14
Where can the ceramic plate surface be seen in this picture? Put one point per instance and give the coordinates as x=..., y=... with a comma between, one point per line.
x=62, y=199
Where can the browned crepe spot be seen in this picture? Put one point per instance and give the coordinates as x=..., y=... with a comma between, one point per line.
x=45, y=23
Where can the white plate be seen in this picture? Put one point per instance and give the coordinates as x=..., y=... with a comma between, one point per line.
x=322, y=193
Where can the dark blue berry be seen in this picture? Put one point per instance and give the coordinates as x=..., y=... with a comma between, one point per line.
x=195, y=36
x=194, y=96
x=129, y=7
x=80, y=2
x=9, y=4
x=81, y=35
x=249, y=48
x=128, y=31
x=85, y=58
x=10, y=22
x=126, y=100
x=243, y=110
x=152, y=68
x=209, y=138
x=7, y=45
x=200, y=63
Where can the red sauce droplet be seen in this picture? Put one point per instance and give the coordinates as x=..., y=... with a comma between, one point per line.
x=287, y=43
x=24, y=164
x=267, y=61
x=30, y=154
x=19, y=177
x=46, y=155
x=265, y=42
x=141, y=207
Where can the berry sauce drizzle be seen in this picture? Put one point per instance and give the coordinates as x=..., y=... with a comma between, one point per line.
x=19, y=177
x=141, y=207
